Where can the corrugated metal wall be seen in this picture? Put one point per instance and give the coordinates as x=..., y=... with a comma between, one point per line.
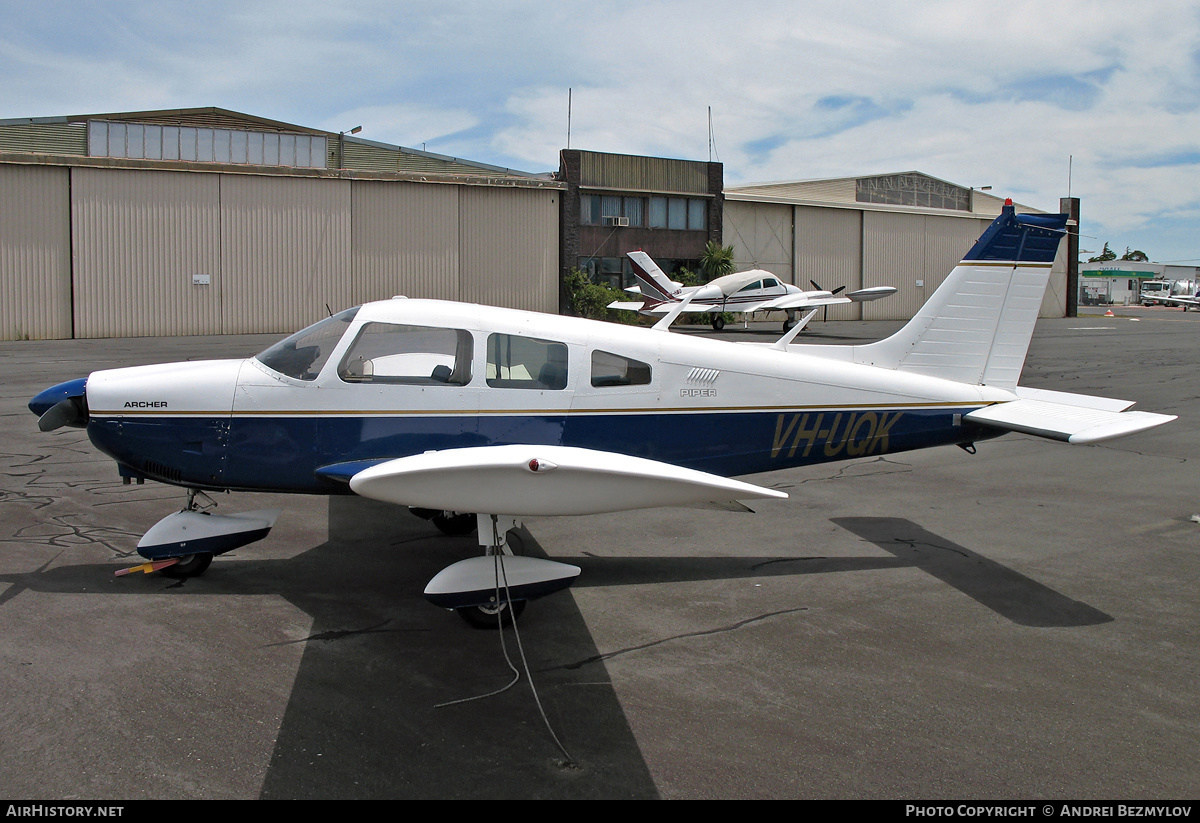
x=406, y=240
x=508, y=247
x=829, y=252
x=45, y=138
x=285, y=251
x=637, y=173
x=894, y=255
x=138, y=237
x=861, y=248
x=275, y=250
x=761, y=236
x=35, y=253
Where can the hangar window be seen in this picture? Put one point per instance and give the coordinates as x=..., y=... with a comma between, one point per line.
x=658, y=212
x=609, y=209
x=515, y=362
x=912, y=190
x=610, y=369
x=304, y=354
x=409, y=355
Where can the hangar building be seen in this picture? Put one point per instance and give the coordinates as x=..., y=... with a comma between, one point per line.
x=617, y=203
x=906, y=230
x=208, y=221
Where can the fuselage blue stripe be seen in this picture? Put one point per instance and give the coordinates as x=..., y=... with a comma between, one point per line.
x=282, y=453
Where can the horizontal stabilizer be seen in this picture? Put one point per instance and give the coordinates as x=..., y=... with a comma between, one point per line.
x=1070, y=399
x=627, y=305
x=530, y=480
x=1071, y=423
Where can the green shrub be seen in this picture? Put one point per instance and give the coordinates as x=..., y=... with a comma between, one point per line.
x=590, y=300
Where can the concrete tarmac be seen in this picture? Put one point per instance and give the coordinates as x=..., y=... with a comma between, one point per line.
x=1016, y=624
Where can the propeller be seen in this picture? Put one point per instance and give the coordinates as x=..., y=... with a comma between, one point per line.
x=62, y=405
x=817, y=286
x=71, y=411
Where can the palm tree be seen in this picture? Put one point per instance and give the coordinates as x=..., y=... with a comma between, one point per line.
x=716, y=260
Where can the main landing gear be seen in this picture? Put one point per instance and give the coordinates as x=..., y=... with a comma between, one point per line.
x=452, y=524
x=489, y=592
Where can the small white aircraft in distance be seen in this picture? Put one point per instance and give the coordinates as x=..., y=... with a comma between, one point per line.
x=1186, y=301
x=477, y=416
x=743, y=292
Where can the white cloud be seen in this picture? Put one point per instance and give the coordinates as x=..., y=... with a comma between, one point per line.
x=402, y=124
x=974, y=92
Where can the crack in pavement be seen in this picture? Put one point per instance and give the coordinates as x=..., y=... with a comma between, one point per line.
x=719, y=630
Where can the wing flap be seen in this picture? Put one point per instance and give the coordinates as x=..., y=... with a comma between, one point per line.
x=523, y=480
x=1071, y=423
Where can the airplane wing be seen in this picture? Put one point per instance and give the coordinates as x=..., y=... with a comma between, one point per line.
x=1073, y=418
x=1181, y=301
x=523, y=480
x=823, y=298
x=661, y=308
x=799, y=301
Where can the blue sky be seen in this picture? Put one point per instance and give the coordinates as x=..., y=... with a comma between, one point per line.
x=983, y=94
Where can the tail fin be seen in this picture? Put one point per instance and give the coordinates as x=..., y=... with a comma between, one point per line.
x=977, y=325
x=656, y=287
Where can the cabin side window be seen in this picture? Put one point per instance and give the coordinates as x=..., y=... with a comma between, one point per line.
x=515, y=362
x=408, y=355
x=610, y=369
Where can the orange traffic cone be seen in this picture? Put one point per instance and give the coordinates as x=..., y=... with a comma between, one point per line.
x=1109, y=313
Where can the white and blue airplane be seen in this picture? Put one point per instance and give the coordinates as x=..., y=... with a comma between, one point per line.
x=744, y=292
x=476, y=417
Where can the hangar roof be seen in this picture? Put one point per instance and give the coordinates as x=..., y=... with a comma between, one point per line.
x=214, y=135
x=898, y=191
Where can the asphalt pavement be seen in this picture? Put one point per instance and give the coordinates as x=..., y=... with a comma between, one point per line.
x=1020, y=623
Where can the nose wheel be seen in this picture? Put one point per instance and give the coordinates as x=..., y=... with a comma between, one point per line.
x=192, y=565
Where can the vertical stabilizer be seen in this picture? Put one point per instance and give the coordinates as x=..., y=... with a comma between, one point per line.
x=977, y=325
x=655, y=286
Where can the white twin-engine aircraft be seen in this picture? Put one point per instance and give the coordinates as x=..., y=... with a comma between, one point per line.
x=476, y=416
x=743, y=292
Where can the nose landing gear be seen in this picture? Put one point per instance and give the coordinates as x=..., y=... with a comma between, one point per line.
x=183, y=544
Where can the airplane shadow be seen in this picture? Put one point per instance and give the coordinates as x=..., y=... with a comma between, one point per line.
x=1008, y=593
x=363, y=720
x=363, y=717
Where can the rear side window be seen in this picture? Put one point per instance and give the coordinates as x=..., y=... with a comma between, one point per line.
x=515, y=362
x=411, y=355
x=610, y=369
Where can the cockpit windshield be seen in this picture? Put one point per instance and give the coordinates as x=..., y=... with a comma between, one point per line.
x=303, y=355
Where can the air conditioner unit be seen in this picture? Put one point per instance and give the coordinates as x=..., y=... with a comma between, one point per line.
x=616, y=221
